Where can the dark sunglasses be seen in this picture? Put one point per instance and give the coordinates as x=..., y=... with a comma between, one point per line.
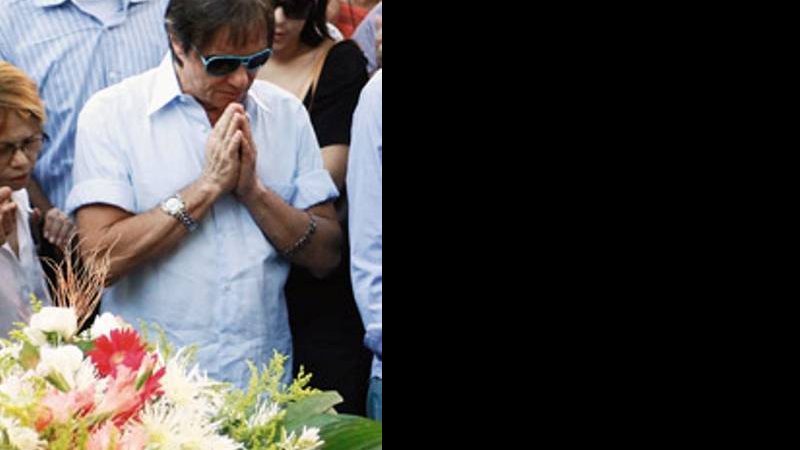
x=221, y=65
x=294, y=9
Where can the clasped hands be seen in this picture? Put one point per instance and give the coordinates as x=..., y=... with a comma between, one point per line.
x=231, y=154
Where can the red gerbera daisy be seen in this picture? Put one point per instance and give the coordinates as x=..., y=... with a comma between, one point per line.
x=123, y=348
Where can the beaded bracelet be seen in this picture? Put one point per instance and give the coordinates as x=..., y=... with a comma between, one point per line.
x=303, y=241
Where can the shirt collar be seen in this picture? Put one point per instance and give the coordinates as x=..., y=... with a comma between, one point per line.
x=166, y=87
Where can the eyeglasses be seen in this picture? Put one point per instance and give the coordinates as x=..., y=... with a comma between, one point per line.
x=294, y=9
x=221, y=65
x=30, y=147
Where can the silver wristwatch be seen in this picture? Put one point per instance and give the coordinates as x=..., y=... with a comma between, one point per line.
x=176, y=207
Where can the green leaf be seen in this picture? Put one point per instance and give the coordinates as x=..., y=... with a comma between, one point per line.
x=85, y=346
x=346, y=432
x=143, y=378
x=299, y=412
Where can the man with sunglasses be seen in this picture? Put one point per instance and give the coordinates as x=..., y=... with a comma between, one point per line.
x=204, y=185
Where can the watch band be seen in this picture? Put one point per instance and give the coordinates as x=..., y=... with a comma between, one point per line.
x=179, y=212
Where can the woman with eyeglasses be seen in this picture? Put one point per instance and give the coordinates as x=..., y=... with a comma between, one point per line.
x=327, y=76
x=22, y=118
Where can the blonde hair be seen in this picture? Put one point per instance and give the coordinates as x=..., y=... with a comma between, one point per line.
x=18, y=93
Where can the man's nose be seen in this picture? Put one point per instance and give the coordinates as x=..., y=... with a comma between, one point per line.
x=240, y=78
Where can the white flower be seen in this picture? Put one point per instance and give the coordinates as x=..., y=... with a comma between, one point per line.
x=86, y=376
x=21, y=438
x=168, y=427
x=16, y=390
x=265, y=413
x=104, y=324
x=308, y=440
x=59, y=320
x=190, y=388
x=36, y=336
x=11, y=350
x=65, y=360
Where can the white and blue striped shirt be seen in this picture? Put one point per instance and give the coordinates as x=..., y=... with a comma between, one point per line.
x=72, y=54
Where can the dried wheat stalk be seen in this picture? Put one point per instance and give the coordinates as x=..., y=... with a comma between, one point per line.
x=80, y=286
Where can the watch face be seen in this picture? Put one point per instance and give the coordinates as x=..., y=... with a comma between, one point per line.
x=173, y=205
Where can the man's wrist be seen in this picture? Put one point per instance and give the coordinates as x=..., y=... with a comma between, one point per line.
x=175, y=206
x=209, y=188
x=251, y=196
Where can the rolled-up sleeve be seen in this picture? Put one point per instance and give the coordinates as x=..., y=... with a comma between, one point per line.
x=100, y=170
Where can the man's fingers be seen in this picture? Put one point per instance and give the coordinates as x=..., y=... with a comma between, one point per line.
x=234, y=124
x=225, y=120
x=235, y=142
x=222, y=124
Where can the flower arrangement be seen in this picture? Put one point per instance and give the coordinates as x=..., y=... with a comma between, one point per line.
x=108, y=388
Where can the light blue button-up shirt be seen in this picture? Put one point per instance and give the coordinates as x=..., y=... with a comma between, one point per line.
x=143, y=140
x=365, y=198
x=72, y=54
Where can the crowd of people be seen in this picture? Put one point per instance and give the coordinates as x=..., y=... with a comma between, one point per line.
x=225, y=154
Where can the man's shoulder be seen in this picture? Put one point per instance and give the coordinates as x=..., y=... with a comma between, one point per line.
x=127, y=97
x=274, y=98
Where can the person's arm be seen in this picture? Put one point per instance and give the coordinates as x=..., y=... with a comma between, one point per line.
x=284, y=225
x=364, y=193
x=132, y=239
x=335, y=159
x=135, y=239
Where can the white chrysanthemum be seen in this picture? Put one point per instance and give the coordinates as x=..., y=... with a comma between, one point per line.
x=16, y=390
x=265, y=413
x=308, y=440
x=190, y=388
x=59, y=320
x=21, y=438
x=170, y=428
x=10, y=351
x=86, y=375
x=65, y=360
x=104, y=324
x=36, y=336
